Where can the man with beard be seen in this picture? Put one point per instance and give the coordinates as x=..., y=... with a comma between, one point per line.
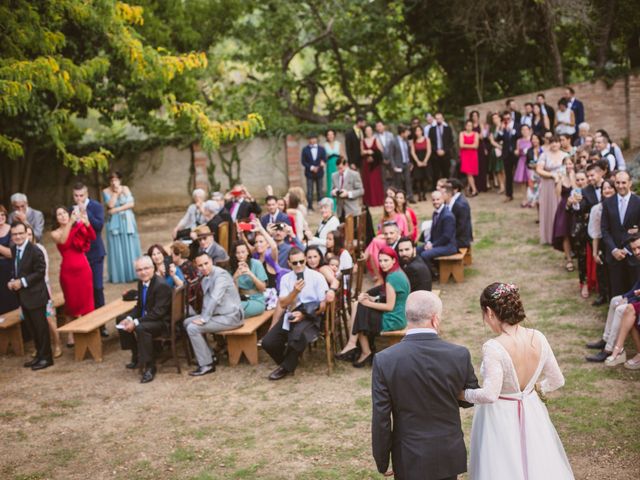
x=413, y=266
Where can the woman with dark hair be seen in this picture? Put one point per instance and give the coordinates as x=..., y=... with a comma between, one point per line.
x=562, y=220
x=315, y=261
x=8, y=298
x=265, y=250
x=380, y=309
x=496, y=164
x=180, y=255
x=250, y=279
x=483, y=150
x=371, y=153
x=420, y=154
x=334, y=150
x=533, y=186
x=391, y=214
x=295, y=212
x=565, y=119
x=539, y=121
x=335, y=246
x=512, y=435
x=412, y=219
x=468, y=142
x=164, y=266
x=549, y=169
x=123, y=242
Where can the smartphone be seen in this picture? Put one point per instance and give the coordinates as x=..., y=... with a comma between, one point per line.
x=245, y=227
x=300, y=275
x=577, y=191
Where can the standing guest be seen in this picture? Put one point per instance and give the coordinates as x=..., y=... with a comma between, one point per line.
x=73, y=237
x=241, y=204
x=209, y=246
x=8, y=299
x=565, y=144
x=416, y=416
x=96, y=253
x=539, y=121
x=316, y=261
x=27, y=281
x=413, y=266
x=347, y=190
x=329, y=223
x=617, y=152
x=561, y=235
x=459, y=206
x=597, y=247
x=527, y=118
x=469, y=141
x=583, y=133
x=221, y=310
x=603, y=146
x=574, y=105
x=24, y=213
x=303, y=295
x=521, y=175
x=335, y=246
x=496, y=164
x=442, y=241
x=386, y=139
x=507, y=136
x=516, y=116
x=579, y=218
x=620, y=220
x=180, y=256
x=123, y=243
x=352, y=140
x=483, y=150
x=412, y=219
x=334, y=151
x=164, y=266
x=194, y=215
x=371, y=154
x=549, y=165
x=273, y=215
x=250, y=278
x=381, y=309
x=313, y=158
x=420, y=154
x=533, y=187
x=547, y=110
x=400, y=155
x=149, y=318
x=582, y=158
x=441, y=139
x=565, y=119
x=430, y=122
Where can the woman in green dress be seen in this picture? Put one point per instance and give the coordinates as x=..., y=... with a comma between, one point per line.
x=334, y=149
x=250, y=278
x=496, y=164
x=381, y=309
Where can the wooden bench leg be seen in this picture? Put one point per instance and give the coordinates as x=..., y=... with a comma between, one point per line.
x=88, y=342
x=445, y=272
x=468, y=259
x=458, y=272
x=12, y=337
x=239, y=344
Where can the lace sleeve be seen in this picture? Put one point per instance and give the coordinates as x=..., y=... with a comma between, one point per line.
x=492, y=378
x=552, y=377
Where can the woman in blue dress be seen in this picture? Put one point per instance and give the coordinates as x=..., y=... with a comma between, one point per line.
x=334, y=149
x=250, y=278
x=123, y=243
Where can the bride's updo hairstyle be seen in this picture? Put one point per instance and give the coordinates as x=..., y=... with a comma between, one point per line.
x=504, y=300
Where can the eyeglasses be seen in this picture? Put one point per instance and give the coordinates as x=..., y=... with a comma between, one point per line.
x=299, y=262
x=390, y=223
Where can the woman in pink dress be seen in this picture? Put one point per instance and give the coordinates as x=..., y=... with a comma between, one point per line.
x=412, y=219
x=522, y=172
x=371, y=151
x=393, y=214
x=469, y=142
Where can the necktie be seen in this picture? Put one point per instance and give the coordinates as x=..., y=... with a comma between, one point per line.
x=144, y=299
x=18, y=258
x=439, y=130
x=622, y=209
x=273, y=219
x=234, y=210
x=341, y=181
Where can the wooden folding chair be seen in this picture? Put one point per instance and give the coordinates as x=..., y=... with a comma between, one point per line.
x=361, y=233
x=343, y=309
x=177, y=316
x=349, y=233
x=329, y=316
x=223, y=236
x=361, y=269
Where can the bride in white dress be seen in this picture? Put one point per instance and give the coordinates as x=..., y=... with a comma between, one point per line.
x=512, y=437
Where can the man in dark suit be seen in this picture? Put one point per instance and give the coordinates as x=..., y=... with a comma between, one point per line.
x=400, y=158
x=620, y=220
x=150, y=317
x=96, y=252
x=442, y=240
x=216, y=213
x=591, y=196
x=546, y=108
x=313, y=158
x=516, y=116
x=507, y=134
x=241, y=204
x=574, y=104
x=442, y=148
x=273, y=215
x=413, y=266
x=352, y=139
x=415, y=389
x=459, y=206
x=28, y=282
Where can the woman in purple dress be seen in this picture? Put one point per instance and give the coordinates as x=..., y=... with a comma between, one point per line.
x=562, y=220
x=522, y=172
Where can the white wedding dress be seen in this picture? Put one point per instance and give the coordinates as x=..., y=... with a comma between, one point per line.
x=512, y=437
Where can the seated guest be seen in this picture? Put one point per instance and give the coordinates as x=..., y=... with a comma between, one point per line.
x=273, y=215
x=302, y=294
x=594, y=229
x=442, y=240
x=390, y=235
x=250, y=278
x=378, y=310
x=316, y=261
x=390, y=215
x=630, y=323
x=221, y=310
x=164, y=267
x=583, y=133
x=265, y=250
x=347, y=190
x=335, y=246
x=194, y=215
x=459, y=206
x=413, y=266
x=209, y=246
x=286, y=240
x=24, y=213
x=412, y=219
x=180, y=256
x=329, y=223
x=215, y=213
x=149, y=318
x=241, y=204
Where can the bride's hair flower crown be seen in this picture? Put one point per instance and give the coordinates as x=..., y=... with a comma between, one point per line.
x=504, y=289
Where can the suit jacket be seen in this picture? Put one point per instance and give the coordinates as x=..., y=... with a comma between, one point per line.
x=352, y=147
x=388, y=138
x=578, y=111
x=158, y=305
x=280, y=218
x=221, y=298
x=220, y=217
x=589, y=198
x=216, y=252
x=443, y=231
x=33, y=269
x=551, y=113
x=447, y=140
x=191, y=219
x=353, y=186
x=508, y=139
x=395, y=153
x=245, y=209
x=614, y=234
x=95, y=212
x=307, y=161
x=464, y=230
x=35, y=218
x=416, y=382
x=418, y=274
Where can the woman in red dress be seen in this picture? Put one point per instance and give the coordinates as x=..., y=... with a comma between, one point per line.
x=371, y=151
x=73, y=237
x=468, y=142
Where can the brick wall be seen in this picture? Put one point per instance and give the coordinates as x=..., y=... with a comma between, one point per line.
x=615, y=108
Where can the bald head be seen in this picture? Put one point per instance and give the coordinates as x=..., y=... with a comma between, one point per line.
x=423, y=309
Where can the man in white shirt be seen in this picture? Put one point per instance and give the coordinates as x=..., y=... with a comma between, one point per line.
x=386, y=139
x=604, y=147
x=613, y=148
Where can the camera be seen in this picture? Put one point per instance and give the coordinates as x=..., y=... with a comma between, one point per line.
x=279, y=226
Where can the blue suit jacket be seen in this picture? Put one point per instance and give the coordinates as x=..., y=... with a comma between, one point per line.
x=280, y=218
x=614, y=234
x=308, y=162
x=464, y=230
x=443, y=233
x=95, y=212
x=578, y=112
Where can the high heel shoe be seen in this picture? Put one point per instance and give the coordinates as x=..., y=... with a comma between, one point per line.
x=368, y=359
x=348, y=356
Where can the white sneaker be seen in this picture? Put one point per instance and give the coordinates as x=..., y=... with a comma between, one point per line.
x=612, y=361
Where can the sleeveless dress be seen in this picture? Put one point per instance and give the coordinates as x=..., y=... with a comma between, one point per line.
x=8, y=299
x=123, y=243
x=372, y=175
x=564, y=117
x=547, y=200
x=468, y=156
x=522, y=172
x=420, y=173
x=512, y=436
x=483, y=158
x=76, y=278
x=561, y=220
x=332, y=157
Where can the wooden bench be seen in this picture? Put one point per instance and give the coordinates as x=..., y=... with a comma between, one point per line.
x=468, y=258
x=86, y=329
x=394, y=336
x=11, y=330
x=452, y=266
x=245, y=339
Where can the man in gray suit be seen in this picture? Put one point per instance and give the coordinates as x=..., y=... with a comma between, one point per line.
x=347, y=189
x=22, y=212
x=221, y=310
x=417, y=383
x=385, y=138
x=400, y=157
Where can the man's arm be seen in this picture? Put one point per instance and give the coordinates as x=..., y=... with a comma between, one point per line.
x=358, y=189
x=381, y=433
x=219, y=254
x=470, y=382
x=221, y=283
x=605, y=224
x=39, y=268
x=95, y=212
x=161, y=308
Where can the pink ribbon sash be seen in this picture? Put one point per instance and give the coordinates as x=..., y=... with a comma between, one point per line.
x=523, y=434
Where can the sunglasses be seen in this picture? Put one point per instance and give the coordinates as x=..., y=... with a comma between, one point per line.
x=299, y=262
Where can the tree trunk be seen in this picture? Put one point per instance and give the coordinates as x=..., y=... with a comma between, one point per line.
x=552, y=41
x=606, y=17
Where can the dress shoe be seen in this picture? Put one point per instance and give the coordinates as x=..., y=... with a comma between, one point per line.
x=57, y=352
x=44, y=364
x=597, y=357
x=599, y=345
x=148, y=375
x=600, y=300
x=198, y=372
x=132, y=365
x=279, y=373
x=612, y=361
x=30, y=363
x=368, y=359
x=103, y=332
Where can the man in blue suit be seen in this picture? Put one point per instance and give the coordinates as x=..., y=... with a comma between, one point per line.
x=96, y=252
x=273, y=215
x=442, y=241
x=574, y=104
x=459, y=206
x=314, y=158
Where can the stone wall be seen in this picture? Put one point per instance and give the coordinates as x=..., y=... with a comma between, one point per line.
x=615, y=108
